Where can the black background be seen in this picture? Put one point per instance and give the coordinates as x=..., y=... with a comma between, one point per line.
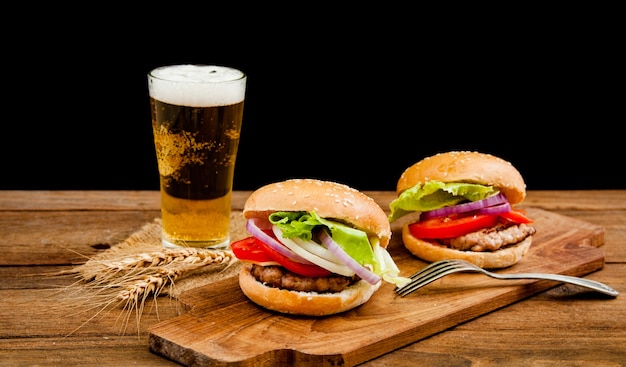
x=351, y=103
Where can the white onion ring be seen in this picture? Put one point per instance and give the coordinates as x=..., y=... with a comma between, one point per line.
x=340, y=269
x=465, y=207
x=253, y=226
x=359, y=269
x=317, y=249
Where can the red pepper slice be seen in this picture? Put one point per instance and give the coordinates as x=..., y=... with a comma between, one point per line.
x=451, y=226
x=517, y=216
x=253, y=250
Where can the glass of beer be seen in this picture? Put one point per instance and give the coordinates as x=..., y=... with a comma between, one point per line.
x=197, y=112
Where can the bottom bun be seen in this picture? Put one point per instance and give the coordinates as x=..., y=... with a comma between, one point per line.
x=432, y=252
x=304, y=303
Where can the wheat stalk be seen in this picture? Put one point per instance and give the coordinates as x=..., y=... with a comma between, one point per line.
x=185, y=258
x=130, y=280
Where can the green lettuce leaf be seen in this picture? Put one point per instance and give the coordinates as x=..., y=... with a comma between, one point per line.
x=354, y=242
x=295, y=224
x=434, y=195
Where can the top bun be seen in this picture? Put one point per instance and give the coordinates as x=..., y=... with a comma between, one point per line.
x=328, y=199
x=468, y=167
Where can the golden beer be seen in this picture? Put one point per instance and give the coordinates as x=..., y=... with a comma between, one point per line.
x=196, y=135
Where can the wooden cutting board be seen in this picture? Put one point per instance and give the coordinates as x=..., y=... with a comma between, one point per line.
x=222, y=327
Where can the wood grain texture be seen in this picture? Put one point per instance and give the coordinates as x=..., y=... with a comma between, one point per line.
x=44, y=232
x=223, y=327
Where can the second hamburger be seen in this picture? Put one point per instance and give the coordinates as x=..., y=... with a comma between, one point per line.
x=459, y=205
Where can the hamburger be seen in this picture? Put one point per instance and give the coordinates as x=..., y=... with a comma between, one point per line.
x=459, y=205
x=316, y=248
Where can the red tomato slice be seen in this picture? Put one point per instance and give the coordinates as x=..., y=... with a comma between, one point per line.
x=248, y=250
x=451, y=226
x=253, y=250
x=517, y=216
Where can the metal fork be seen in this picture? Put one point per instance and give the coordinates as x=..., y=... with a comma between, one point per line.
x=442, y=268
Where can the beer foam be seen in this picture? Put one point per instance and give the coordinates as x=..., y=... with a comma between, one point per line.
x=197, y=85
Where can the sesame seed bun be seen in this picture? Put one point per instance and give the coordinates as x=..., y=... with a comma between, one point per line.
x=328, y=199
x=433, y=251
x=468, y=167
x=304, y=303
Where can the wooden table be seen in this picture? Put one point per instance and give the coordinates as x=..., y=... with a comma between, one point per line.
x=44, y=232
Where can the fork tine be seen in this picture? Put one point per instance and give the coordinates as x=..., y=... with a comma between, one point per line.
x=428, y=275
x=435, y=267
x=427, y=268
x=424, y=280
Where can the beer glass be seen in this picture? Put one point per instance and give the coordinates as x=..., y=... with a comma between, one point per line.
x=197, y=112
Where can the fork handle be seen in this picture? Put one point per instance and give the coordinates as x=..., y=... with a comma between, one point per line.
x=583, y=282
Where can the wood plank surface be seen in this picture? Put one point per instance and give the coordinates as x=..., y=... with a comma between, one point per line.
x=50, y=231
x=223, y=327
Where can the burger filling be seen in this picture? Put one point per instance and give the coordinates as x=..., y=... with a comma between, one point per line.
x=279, y=277
x=490, y=239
